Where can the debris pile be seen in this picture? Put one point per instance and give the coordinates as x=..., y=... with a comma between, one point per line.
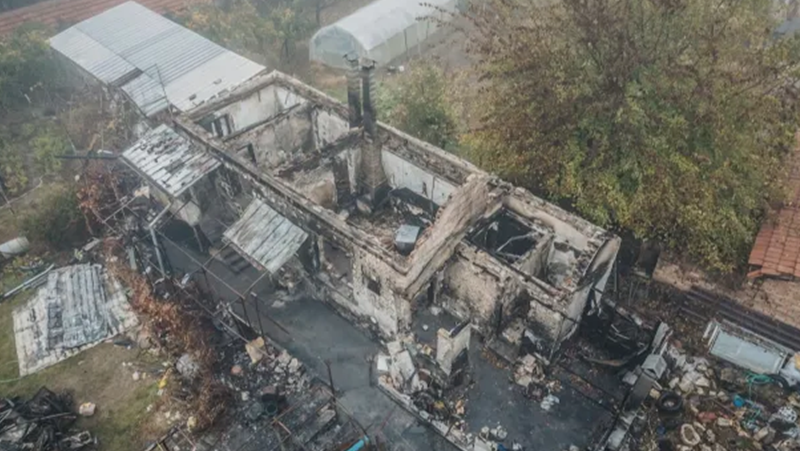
x=716, y=408
x=411, y=375
x=182, y=329
x=529, y=373
x=263, y=376
x=43, y=423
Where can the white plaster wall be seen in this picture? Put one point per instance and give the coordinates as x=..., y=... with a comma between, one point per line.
x=277, y=143
x=575, y=311
x=472, y=289
x=388, y=311
x=353, y=157
x=259, y=106
x=403, y=174
x=607, y=253
x=327, y=127
x=448, y=348
x=577, y=238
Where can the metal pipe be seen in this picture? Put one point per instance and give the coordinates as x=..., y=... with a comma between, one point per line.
x=33, y=281
x=330, y=378
x=361, y=444
x=87, y=157
x=152, y=227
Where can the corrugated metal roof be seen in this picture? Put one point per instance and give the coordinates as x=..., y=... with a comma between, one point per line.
x=78, y=307
x=265, y=237
x=169, y=160
x=170, y=60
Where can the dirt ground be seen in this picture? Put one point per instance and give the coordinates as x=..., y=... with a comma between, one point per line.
x=773, y=297
x=102, y=375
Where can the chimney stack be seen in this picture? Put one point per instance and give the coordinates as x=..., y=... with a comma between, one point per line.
x=374, y=184
x=367, y=85
x=353, y=90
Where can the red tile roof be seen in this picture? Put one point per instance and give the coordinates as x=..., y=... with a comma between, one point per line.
x=777, y=246
x=69, y=12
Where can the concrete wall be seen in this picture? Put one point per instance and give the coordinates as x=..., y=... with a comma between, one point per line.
x=278, y=142
x=471, y=289
x=328, y=127
x=404, y=174
x=478, y=285
x=577, y=231
x=390, y=312
x=424, y=155
x=259, y=106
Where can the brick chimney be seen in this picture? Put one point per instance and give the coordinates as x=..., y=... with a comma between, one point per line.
x=374, y=185
x=353, y=90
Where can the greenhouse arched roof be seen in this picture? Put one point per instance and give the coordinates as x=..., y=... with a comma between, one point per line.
x=382, y=19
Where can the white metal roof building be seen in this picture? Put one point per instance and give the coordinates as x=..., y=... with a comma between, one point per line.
x=381, y=31
x=156, y=62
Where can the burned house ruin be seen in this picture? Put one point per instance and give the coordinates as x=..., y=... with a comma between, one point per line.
x=376, y=222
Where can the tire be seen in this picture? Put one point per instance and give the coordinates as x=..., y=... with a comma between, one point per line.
x=670, y=402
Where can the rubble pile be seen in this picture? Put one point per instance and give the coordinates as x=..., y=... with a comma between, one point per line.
x=410, y=374
x=262, y=376
x=529, y=373
x=705, y=407
x=43, y=423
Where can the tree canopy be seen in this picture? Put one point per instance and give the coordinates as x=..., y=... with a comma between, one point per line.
x=419, y=103
x=256, y=26
x=25, y=63
x=668, y=118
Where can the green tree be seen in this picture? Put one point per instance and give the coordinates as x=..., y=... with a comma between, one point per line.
x=238, y=26
x=263, y=27
x=291, y=21
x=418, y=102
x=25, y=64
x=668, y=118
x=58, y=221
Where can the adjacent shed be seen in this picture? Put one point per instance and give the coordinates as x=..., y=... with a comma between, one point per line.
x=155, y=62
x=78, y=307
x=382, y=31
x=264, y=237
x=169, y=161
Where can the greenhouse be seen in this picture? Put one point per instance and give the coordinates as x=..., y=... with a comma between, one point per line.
x=382, y=31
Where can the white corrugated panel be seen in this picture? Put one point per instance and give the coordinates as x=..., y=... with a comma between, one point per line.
x=160, y=58
x=747, y=349
x=264, y=237
x=77, y=308
x=169, y=161
x=92, y=56
x=222, y=73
